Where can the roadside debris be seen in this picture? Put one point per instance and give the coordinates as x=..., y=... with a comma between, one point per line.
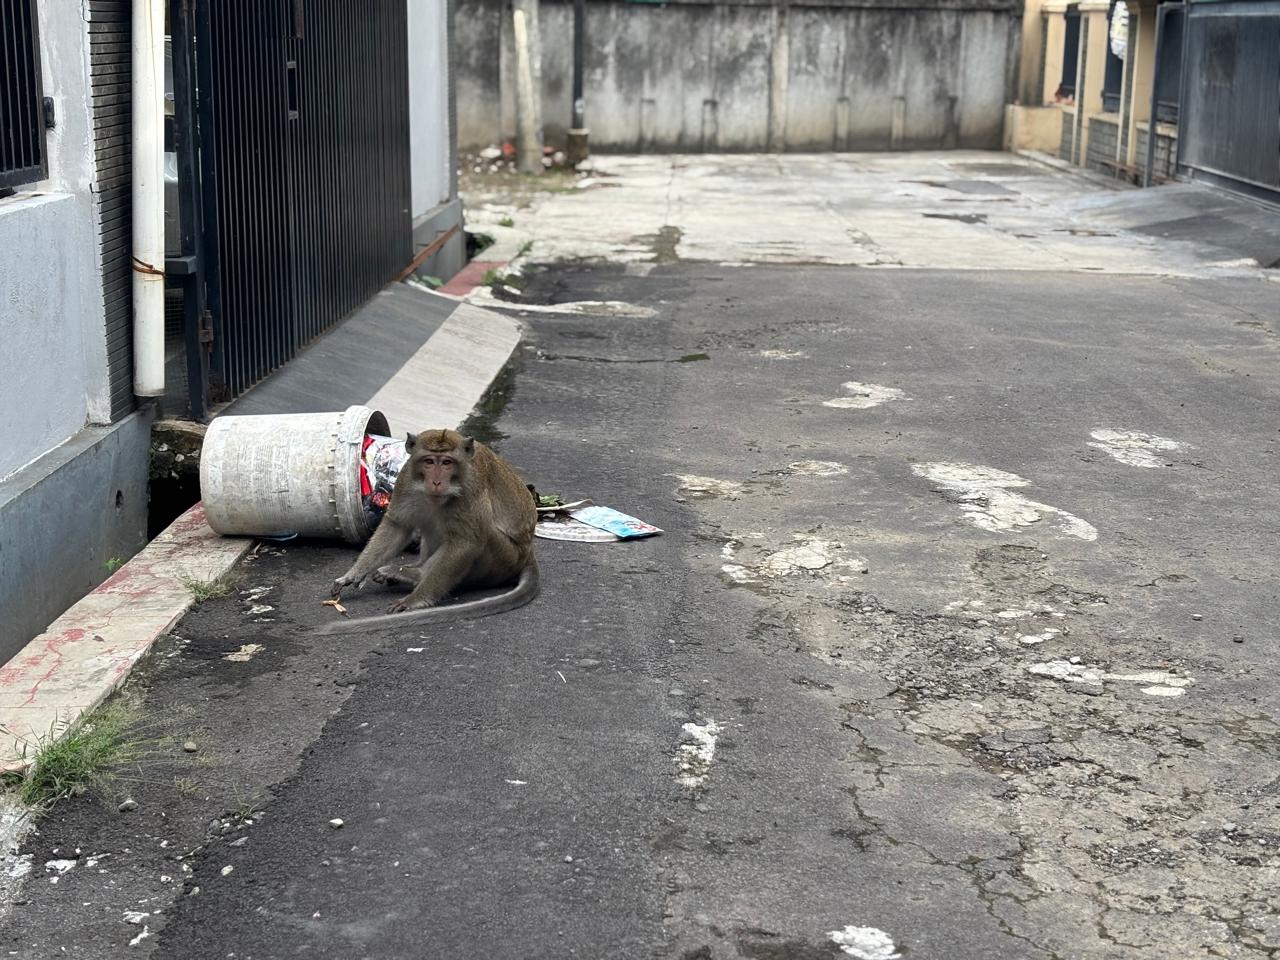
x=584, y=522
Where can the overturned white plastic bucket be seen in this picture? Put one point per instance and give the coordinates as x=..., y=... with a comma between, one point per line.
x=296, y=473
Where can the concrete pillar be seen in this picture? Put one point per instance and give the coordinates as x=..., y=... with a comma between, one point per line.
x=1092, y=71
x=779, y=74
x=1055, y=26
x=1030, y=78
x=1141, y=61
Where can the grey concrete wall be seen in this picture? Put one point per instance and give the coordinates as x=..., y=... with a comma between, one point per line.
x=429, y=146
x=1103, y=136
x=54, y=364
x=1165, y=164
x=725, y=76
x=64, y=518
x=72, y=495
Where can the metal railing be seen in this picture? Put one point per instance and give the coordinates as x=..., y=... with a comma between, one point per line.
x=22, y=107
x=300, y=144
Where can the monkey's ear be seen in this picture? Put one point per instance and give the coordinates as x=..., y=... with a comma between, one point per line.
x=410, y=440
x=469, y=445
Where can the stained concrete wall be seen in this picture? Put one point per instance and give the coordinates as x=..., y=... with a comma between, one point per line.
x=53, y=368
x=726, y=76
x=66, y=522
x=432, y=178
x=73, y=495
x=436, y=208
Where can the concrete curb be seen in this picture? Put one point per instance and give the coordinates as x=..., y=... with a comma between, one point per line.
x=87, y=653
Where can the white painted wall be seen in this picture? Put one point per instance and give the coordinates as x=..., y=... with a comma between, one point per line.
x=429, y=104
x=53, y=360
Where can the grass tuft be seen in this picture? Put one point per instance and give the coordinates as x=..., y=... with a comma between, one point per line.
x=202, y=590
x=71, y=763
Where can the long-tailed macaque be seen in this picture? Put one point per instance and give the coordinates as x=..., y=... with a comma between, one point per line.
x=474, y=517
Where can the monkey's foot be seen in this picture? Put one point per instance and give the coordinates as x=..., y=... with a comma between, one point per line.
x=395, y=576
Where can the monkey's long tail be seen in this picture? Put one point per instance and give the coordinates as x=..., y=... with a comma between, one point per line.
x=526, y=589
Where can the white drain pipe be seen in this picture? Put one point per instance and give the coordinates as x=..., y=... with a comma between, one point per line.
x=148, y=197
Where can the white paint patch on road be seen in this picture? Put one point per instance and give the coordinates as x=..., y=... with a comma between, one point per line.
x=484, y=297
x=984, y=495
x=696, y=486
x=863, y=396
x=135, y=916
x=246, y=653
x=865, y=943
x=1161, y=683
x=805, y=557
x=59, y=866
x=1032, y=639
x=783, y=354
x=146, y=932
x=696, y=752
x=1134, y=448
x=817, y=468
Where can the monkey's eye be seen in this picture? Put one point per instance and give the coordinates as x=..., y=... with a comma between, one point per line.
x=446, y=462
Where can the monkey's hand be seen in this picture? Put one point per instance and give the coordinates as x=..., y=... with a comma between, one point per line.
x=344, y=581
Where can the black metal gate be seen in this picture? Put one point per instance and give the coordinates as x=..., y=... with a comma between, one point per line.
x=301, y=129
x=1229, y=118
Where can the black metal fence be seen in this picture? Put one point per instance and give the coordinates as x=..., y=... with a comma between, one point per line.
x=22, y=125
x=1229, y=118
x=303, y=148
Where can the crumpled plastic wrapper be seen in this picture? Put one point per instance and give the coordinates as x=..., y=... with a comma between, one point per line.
x=380, y=461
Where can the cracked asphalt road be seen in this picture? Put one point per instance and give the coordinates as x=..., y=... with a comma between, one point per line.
x=926, y=706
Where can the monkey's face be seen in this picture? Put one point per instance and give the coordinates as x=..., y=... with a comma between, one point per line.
x=441, y=474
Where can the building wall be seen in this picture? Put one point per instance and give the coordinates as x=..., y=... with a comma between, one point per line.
x=1104, y=133
x=1164, y=164
x=704, y=76
x=429, y=104
x=51, y=312
x=73, y=490
x=436, y=208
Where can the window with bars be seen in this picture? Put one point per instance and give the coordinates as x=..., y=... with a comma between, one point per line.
x=22, y=127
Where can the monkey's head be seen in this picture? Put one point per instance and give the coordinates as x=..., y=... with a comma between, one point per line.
x=440, y=458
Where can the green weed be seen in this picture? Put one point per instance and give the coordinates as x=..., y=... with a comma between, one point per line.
x=202, y=590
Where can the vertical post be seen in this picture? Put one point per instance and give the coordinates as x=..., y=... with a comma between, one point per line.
x=1094, y=40
x=1155, y=95
x=1140, y=64
x=779, y=74
x=528, y=129
x=1055, y=41
x=579, y=106
x=577, y=149
x=147, y=49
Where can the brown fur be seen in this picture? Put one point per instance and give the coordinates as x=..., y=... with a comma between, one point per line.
x=476, y=535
